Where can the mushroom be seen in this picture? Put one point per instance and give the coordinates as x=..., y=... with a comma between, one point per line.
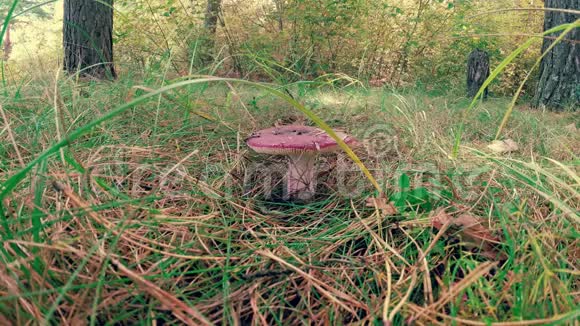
x=301, y=144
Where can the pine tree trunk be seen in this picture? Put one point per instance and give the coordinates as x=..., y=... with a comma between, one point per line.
x=7, y=44
x=559, y=82
x=88, y=38
x=210, y=25
x=477, y=72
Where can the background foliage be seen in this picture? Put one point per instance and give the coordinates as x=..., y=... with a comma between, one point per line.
x=407, y=43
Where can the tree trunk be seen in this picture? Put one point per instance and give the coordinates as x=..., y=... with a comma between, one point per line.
x=88, y=38
x=477, y=72
x=7, y=44
x=559, y=82
x=210, y=25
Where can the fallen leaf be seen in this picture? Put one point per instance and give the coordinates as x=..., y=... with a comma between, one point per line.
x=387, y=208
x=503, y=146
x=472, y=231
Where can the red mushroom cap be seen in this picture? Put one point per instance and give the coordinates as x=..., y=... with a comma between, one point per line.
x=295, y=139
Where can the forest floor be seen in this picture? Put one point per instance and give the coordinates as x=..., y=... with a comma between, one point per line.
x=158, y=214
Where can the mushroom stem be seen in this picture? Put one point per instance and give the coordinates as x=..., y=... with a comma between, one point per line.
x=300, y=181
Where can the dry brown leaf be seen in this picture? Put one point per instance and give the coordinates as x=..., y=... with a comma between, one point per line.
x=503, y=146
x=473, y=232
x=387, y=208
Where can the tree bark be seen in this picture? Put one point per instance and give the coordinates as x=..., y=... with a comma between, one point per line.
x=210, y=25
x=477, y=72
x=559, y=82
x=88, y=38
x=7, y=44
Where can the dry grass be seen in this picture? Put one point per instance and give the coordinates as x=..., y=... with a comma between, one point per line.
x=152, y=218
